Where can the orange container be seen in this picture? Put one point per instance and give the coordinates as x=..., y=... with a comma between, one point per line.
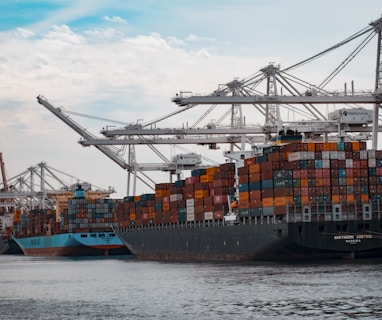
x=356, y=146
x=254, y=168
x=206, y=178
x=280, y=201
x=268, y=202
x=201, y=193
x=349, y=181
x=365, y=198
x=243, y=203
x=311, y=146
x=350, y=198
x=212, y=170
x=305, y=199
x=253, y=177
x=336, y=199
x=304, y=182
x=244, y=195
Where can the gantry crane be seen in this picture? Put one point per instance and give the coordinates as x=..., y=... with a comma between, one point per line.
x=268, y=94
x=44, y=187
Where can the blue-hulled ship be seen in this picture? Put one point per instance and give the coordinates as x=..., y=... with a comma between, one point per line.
x=85, y=228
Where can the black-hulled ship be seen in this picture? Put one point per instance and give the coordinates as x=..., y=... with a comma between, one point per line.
x=295, y=201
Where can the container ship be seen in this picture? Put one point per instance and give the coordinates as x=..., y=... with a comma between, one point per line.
x=298, y=200
x=85, y=228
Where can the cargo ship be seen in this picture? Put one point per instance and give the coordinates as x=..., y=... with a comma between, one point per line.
x=300, y=200
x=85, y=228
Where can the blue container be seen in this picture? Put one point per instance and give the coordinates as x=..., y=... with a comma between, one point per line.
x=303, y=164
x=243, y=213
x=182, y=215
x=180, y=183
x=198, y=172
x=255, y=212
x=375, y=197
x=341, y=146
x=268, y=211
x=243, y=187
x=256, y=185
x=267, y=184
x=148, y=196
x=318, y=164
x=342, y=173
x=372, y=172
x=261, y=159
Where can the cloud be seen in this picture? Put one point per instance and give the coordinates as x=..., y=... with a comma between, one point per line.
x=195, y=38
x=98, y=72
x=114, y=19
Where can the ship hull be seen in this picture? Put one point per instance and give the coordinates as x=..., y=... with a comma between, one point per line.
x=280, y=241
x=72, y=244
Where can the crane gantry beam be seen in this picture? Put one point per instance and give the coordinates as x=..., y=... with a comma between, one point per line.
x=319, y=99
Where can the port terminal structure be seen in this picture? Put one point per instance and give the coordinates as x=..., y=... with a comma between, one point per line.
x=269, y=93
x=42, y=187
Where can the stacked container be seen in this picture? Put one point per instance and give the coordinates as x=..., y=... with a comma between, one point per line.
x=202, y=196
x=293, y=176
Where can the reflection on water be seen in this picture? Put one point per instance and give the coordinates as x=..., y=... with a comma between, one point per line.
x=124, y=288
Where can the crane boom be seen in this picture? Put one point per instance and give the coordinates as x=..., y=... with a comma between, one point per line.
x=83, y=132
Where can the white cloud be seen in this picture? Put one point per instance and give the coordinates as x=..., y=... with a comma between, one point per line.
x=114, y=19
x=25, y=32
x=195, y=38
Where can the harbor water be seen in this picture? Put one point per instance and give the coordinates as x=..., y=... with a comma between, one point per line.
x=126, y=288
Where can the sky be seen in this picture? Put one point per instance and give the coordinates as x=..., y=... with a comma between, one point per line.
x=125, y=60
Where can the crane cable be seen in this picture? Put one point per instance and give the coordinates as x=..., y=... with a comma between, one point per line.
x=356, y=35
